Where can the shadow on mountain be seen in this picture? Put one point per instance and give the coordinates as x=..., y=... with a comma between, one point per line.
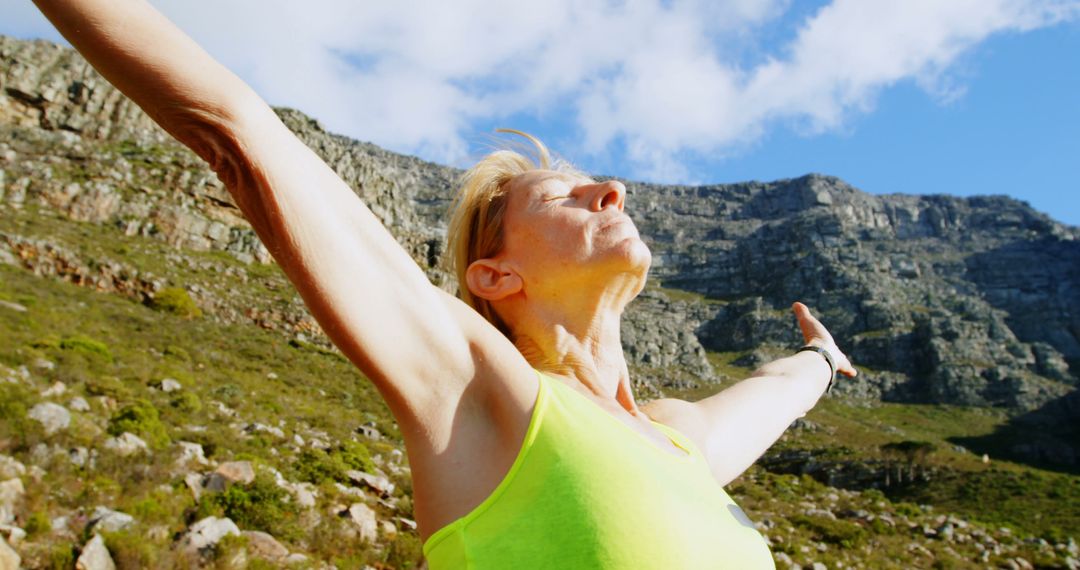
x=1048, y=437
x=1037, y=282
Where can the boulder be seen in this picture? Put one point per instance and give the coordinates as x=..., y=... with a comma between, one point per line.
x=11, y=492
x=15, y=534
x=9, y=559
x=378, y=483
x=265, y=546
x=56, y=389
x=52, y=417
x=191, y=452
x=263, y=428
x=43, y=365
x=388, y=529
x=194, y=481
x=170, y=385
x=126, y=444
x=363, y=517
x=11, y=467
x=105, y=519
x=228, y=473
x=95, y=556
x=79, y=404
x=82, y=457
x=207, y=533
x=13, y=306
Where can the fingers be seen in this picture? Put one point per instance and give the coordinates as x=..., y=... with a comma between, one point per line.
x=815, y=333
x=811, y=327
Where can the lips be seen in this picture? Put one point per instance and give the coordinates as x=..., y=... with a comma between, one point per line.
x=618, y=220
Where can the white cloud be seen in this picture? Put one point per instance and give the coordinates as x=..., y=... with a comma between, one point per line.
x=650, y=81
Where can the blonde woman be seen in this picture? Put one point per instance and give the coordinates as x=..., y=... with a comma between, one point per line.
x=527, y=446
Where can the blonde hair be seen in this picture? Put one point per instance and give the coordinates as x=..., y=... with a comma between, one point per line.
x=476, y=215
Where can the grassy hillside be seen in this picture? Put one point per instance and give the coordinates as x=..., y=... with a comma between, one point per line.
x=292, y=408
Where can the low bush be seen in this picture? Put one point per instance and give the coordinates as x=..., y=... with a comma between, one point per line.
x=108, y=386
x=37, y=523
x=318, y=466
x=187, y=402
x=260, y=505
x=176, y=300
x=140, y=418
x=842, y=533
x=87, y=346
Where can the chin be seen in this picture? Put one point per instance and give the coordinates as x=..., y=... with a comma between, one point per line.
x=637, y=257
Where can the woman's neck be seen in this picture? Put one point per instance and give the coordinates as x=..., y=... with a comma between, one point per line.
x=582, y=347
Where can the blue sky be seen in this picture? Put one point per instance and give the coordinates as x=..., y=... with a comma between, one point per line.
x=923, y=96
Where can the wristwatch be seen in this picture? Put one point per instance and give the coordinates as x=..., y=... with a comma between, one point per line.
x=828, y=358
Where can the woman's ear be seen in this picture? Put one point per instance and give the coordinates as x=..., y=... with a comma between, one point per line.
x=492, y=280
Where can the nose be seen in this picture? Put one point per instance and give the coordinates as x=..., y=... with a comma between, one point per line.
x=607, y=194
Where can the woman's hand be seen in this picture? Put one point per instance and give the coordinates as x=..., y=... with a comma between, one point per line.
x=815, y=334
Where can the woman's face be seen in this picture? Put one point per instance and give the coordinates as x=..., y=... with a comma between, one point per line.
x=561, y=226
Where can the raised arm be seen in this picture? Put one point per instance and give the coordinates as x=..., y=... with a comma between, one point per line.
x=417, y=343
x=736, y=426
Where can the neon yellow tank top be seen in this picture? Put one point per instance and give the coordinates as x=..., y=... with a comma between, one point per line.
x=588, y=492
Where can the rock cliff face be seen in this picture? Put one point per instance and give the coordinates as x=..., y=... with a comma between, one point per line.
x=965, y=301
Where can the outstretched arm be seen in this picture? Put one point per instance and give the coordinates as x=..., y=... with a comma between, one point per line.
x=735, y=427
x=417, y=343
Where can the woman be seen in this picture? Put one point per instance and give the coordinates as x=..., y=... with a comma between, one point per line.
x=526, y=445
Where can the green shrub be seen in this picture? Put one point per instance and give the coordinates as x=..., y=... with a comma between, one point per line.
x=132, y=549
x=62, y=557
x=15, y=401
x=908, y=509
x=108, y=386
x=51, y=341
x=37, y=523
x=87, y=346
x=260, y=505
x=228, y=392
x=404, y=552
x=843, y=533
x=177, y=352
x=175, y=300
x=140, y=418
x=187, y=402
x=318, y=466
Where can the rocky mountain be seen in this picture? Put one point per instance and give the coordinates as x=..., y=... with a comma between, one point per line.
x=966, y=301
x=210, y=423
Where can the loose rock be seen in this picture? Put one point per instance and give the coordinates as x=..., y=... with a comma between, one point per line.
x=265, y=546
x=377, y=483
x=170, y=385
x=228, y=473
x=191, y=452
x=95, y=556
x=126, y=444
x=9, y=559
x=53, y=417
x=13, y=306
x=11, y=467
x=56, y=389
x=208, y=532
x=11, y=492
x=364, y=518
x=105, y=519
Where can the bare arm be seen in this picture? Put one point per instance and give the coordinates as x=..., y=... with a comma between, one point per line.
x=418, y=344
x=736, y=426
